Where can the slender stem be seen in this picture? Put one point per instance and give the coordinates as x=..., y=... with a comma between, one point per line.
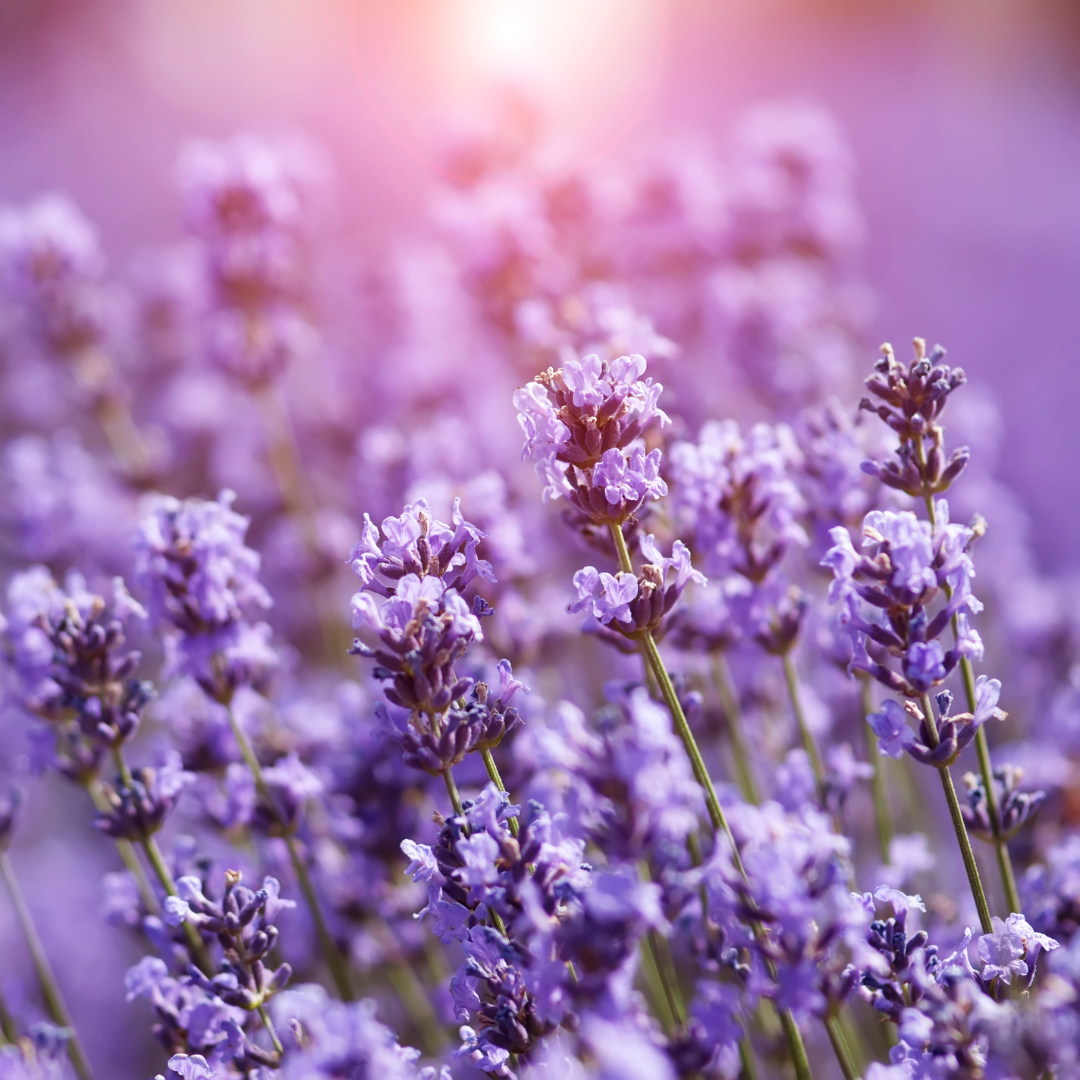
x=796, y=1047
x=164, y=875
x=659, y=994
x=126, y=851
x=9, y=1033
x=287, y=464
x=659, y=955
x=840, y=1047
x=1001, y=843
x=853, y=1039
x=982, y=746
x=270, y=1030
x=729, y=702
x=701, y=773
x=124, y=437
x=497, y=780
x=50, y=988
x=452, y=791
x=96, y=374
x=746, y=1059
x=414, y=997
x=697, y=762
x=958, y=825
x=791, y=677
x=195, y=942
x=883, y=818
x=986, y=768
x=339, y=970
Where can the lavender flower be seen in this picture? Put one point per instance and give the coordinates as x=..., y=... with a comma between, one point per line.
x=203, y=580
x=244, y=923
x=1014, y=807
x=887, y=596
x=53, y=264
x=137, y=808
x=910, y=402
x=796, y=882
x=575, y=416
x=1006, y=952
x=248, y=201
x=635, y=603
x=737, y=498
x=65, y=649
x=339, y=1039
x=416, y=543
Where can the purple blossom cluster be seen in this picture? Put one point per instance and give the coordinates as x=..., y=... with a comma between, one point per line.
x=478, y=841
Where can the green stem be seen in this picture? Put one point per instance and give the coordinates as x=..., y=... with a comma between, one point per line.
x=414, y=997
x=982, y=746
x=164, y=875
x=746, y=1059
x=840, y=1047
x=701, y=773
x=791, y=677
x=729, y=702
x=659, y=992
x=497, y=780
x=452, y=791
x=796, y=1046
x=339, y=970
x=986, y=768
x=9, y=1033
x=50, y=988
x=96, y=374
x=667, y=977
x=958, y=825
x=882, y=817
x=126, y=851
x=287, y=464
x=267, y=1023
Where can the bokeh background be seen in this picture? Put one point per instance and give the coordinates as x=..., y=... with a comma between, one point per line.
x=963, y=118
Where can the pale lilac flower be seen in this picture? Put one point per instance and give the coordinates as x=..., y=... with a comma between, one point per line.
x=604, y=596
x=891, y=727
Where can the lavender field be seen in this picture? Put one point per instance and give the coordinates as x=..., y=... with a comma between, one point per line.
x=477, y=596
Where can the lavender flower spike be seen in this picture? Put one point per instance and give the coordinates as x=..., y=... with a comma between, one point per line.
x=581, y=424
x=203, y=582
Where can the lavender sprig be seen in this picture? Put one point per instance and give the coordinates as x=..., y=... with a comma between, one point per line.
x=203, y=581
x=912, y=402
x=593, y=411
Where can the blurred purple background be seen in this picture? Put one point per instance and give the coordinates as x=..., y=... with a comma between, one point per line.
x=963, y=119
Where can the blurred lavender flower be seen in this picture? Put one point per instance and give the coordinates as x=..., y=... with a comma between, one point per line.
x=796, y=881
x=202, y=581
x=737, y=498
x=65, y=650
x=53, y=265
x=248, y=201
x=339, y=1039
x=60, y=506
x=1014, y=807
